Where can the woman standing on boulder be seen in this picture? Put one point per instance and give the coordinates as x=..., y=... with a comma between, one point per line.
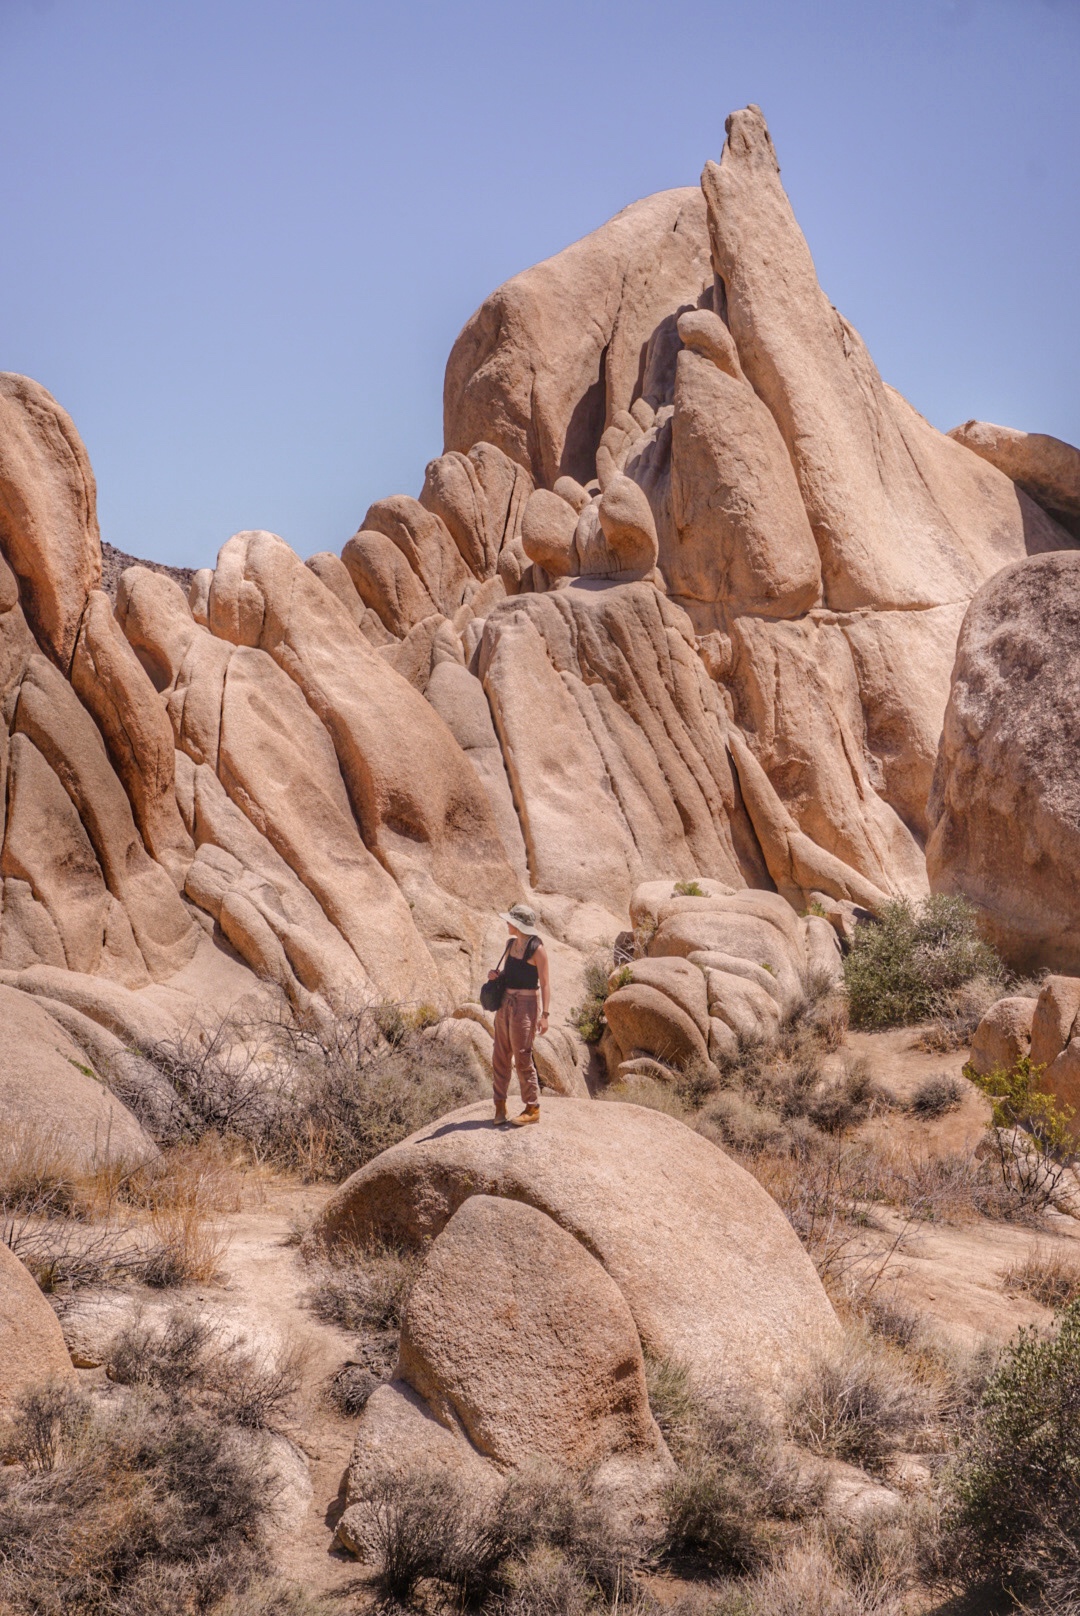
x=517, y=1021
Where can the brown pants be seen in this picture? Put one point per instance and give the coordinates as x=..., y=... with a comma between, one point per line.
x=515, y=1029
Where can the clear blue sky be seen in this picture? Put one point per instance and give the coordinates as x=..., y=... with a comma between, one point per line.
x=238, y=237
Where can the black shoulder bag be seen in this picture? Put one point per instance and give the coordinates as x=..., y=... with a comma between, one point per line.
x=493, y=993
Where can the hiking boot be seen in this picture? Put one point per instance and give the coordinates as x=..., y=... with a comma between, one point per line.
x=531, y=1113
x=500, y=1116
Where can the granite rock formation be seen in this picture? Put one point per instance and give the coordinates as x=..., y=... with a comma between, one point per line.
x=679, y=600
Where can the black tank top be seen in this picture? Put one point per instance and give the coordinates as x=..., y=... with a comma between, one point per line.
x=520, y=973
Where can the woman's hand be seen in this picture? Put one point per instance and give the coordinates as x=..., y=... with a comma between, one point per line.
x=492, y=975
x=544, y=1022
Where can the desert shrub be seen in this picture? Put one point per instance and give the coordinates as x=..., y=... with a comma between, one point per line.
x=182, y=1246
x=937, y=1094
x=307, y=1094
x=734, y=1120
x=427, y=1524
x=734, y=1488
x=1049, y=1277
x=807, y=1582
x=859, y=1404
x=687, y=889
x=347, y=1390
x=1014, y=1520
x=365, y=1287
x=49, y=1421
x=545, y=1583
x=905, y=967
x=1029, y=1129
x=187, y=1359
x=847, y=1101
x=66, y=1257
x=588, y=1016
x=144, y=1509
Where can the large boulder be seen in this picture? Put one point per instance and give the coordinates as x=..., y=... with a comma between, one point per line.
x=1003, y=1036
x=1044, y=467
x=32, y=1350
x=901, y=516
x=1005, y=808
x=709, y=1266
x=48, y=513
x=843, y=707
x=517, y=1337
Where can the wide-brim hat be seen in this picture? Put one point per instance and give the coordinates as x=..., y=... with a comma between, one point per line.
x=522, y=917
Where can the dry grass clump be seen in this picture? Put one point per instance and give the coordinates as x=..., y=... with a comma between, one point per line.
x=153, y=1221
x=861, y=1404
x=42, y=1173
x=132, y=1505
x=1047, y=1276
x=730, y=1505
x=363, y=1289
x=937, y=1094
x=537, y=1539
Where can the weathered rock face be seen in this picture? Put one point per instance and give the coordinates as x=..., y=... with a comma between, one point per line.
x=542, y=367
x=32, y=1350
x=54, y=1106
x=711, y=1270
x=1006, y=804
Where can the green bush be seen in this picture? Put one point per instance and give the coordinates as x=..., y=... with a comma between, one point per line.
x=906, y=966
x=1014, y=1522
x=588, y=1016
x=687, y=889
x=1030, y=1130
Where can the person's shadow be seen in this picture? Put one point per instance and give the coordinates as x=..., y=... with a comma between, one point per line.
x=485, y=1125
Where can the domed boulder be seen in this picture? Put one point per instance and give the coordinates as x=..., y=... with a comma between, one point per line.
x=1003, y=1036
x=710, y=1268
x=516, y=1336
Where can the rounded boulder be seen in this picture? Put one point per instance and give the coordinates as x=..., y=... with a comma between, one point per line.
x=712, y=1272
x=516, y=1335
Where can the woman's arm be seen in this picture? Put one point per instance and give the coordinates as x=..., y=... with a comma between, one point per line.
x=545, y=985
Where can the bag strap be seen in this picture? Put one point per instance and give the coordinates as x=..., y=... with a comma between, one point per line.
x=502, y=960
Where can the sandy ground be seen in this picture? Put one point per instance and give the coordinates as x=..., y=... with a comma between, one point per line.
x=266, y=1278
